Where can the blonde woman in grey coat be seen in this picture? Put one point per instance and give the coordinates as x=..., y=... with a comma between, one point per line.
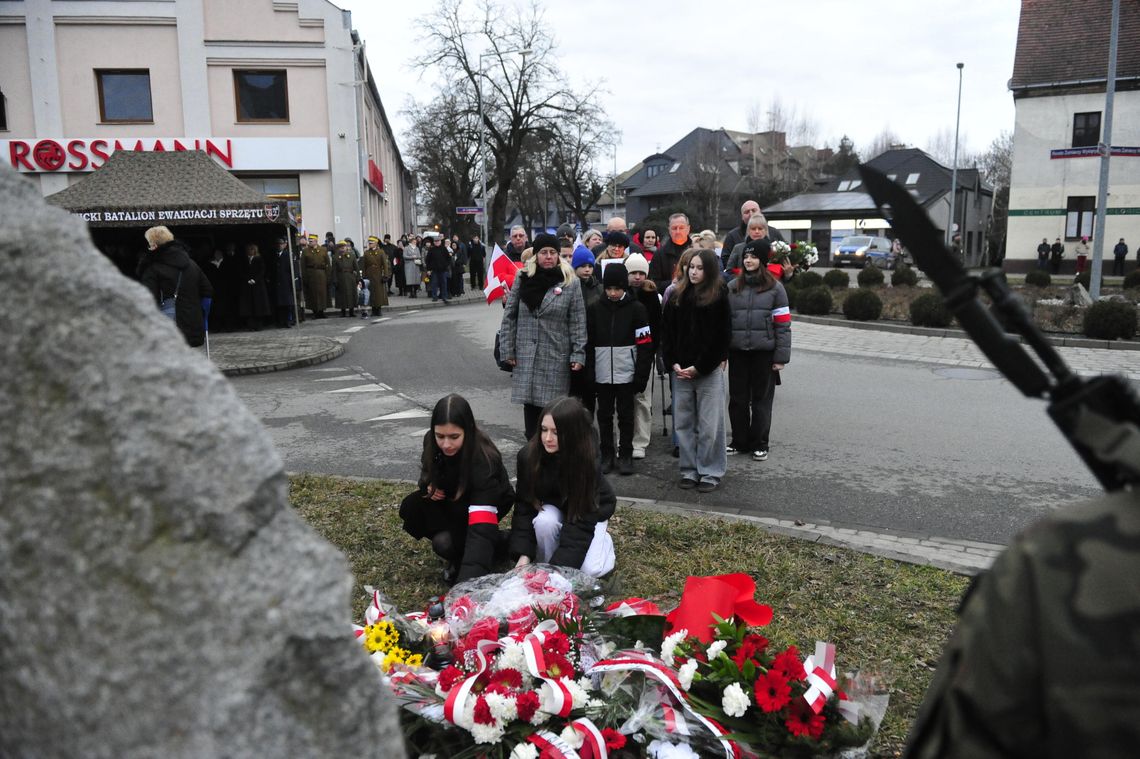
x=543, y=332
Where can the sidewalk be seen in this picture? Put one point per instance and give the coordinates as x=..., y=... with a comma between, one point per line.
x=275, y=349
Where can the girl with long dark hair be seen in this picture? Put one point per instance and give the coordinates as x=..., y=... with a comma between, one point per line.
x=696, y=324
x=464, y=490
x=760, y=346
x=564, y=502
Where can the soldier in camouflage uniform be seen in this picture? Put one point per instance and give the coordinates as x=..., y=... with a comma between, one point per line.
x=377, y=270
x=1046, y=658
x=346, y=270
x=314, y=275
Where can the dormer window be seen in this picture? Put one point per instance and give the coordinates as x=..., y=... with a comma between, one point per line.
x=912, y=178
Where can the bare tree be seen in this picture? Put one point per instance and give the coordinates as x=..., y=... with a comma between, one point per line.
x=519, y=93
x=883, y=142
x=443, y=151
x=574, y=154
x=941, y=148
x=996, y=164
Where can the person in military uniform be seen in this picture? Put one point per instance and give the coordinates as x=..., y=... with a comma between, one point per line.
x=347, y=273
x=315, y=273
x=1045, y=661
x=377, y=269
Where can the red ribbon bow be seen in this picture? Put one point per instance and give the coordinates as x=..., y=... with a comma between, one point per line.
x=727, y=596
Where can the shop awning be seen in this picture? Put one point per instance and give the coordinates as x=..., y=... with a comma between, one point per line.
x=168, y=188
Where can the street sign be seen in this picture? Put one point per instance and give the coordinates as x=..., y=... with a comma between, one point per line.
x=468, y=210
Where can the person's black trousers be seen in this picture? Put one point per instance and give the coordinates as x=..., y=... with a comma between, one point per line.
x=478, y=276
x=531, y=419
x=609, y=396
x=749, y=382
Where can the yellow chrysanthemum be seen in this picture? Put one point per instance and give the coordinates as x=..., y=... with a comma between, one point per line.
x=415, y=660
x=380, y=636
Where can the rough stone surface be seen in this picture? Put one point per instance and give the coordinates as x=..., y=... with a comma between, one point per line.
x=158, y=595
x=1079, y=296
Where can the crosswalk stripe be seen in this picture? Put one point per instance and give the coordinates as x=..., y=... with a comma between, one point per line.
x=350, y=330
x=409, y=414
x=360, y=389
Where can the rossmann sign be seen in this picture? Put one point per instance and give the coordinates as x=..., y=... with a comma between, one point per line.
x=60, y=156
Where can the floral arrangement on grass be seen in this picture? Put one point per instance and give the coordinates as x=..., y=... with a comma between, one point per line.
x=529, y=665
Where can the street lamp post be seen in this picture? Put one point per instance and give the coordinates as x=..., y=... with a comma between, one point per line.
x=954, y=172
x=483, y=126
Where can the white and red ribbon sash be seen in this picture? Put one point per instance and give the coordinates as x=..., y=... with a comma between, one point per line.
x=593, y=744
x=631, y=607
x=781, y=315
x=551, y=745
x=457, y=696
x=819, y=671
x=374, y=613
x=630, y=662
x=554, y=689
x=482, y=515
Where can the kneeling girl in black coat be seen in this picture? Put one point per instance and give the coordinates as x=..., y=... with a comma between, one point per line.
x=564, y=501
x=464, y=490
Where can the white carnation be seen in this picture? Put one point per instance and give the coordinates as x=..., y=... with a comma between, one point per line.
x=577, y=692
x=670, y=644
x=572, y=737
x=686, y=672
x=716, y=648
x=734, y=701
x=665, y=750
x=503, y=708
x=511, y=656
x=492, y=733
x=524, y=751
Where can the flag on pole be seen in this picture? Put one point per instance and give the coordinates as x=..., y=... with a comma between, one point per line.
x=501, y=273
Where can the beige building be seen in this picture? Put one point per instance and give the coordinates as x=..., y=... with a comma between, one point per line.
x=279, y=93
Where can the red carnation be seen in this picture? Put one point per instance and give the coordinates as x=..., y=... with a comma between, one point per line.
x=772, y=691
x=557, y=644
x=752, y=645
x=485, y=629
x=789, y=664
x=450, y=677
x=527, y=704
x=483, y=712
x=614, y=740
x=802, y=721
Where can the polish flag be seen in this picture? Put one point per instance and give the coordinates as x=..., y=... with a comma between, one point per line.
x=500, y=275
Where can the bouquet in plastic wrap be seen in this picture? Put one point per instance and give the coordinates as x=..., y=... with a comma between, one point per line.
x=512, y=651
x=389, y=637
x=802, y=255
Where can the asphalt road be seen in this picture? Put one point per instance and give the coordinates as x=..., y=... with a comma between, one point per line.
x=951, y=452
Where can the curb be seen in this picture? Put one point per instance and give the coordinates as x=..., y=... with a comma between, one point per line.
x=906, y=329
x=326, y=349
x=963, y=557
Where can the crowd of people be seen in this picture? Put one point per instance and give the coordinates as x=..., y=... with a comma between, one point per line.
x=1049, y=257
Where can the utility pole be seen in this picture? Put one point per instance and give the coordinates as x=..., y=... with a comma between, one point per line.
x=954, y=172
x=1105, y=149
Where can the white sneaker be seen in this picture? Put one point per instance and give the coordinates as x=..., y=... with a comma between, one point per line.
x=759, y=455
x=639, y=453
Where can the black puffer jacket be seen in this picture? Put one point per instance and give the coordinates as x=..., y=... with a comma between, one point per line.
x=695, y=335
x=575, y=538
x=622, y=342
x=160, y=275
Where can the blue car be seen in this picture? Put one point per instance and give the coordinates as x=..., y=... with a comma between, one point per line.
x=859, y=249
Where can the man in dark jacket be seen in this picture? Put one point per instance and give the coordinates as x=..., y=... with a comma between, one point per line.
x=1043, y=254
x=459, y=260
x=618, y=329
x=1056, y=254
x=739, y=234
x=517, y=244
x=168, y=272
x=665, y=260
x=1119, y=253
x=282, y=288
x=438, y=261
x=477, y=260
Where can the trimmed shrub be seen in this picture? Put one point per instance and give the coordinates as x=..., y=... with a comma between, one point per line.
x=1132, y=280
x=929, y=310
x=806, y=279
x=837, y=279
x=1085, y=279
x=814, y=300
x=1110, y=320
x=793, y=293
x=904, y=276
x=1038, y=278
x=871, y=276
x=862, y=305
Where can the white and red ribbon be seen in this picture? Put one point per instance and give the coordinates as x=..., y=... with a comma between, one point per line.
x=593, y=743
x=631, y=662
x=374, y=613
x=551, y=745
x=482, y=515
x=819, y=670
x=555, y=690
x=456, y=700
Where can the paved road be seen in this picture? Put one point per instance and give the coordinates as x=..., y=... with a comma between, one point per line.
x=873, y=429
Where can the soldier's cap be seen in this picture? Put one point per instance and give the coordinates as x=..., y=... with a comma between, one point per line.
x=314, y=237
x=373, y=238
x=341, y=243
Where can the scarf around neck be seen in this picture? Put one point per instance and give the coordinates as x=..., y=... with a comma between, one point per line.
x=534, y=286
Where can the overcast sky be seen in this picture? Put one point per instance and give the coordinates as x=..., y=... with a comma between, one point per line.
x=672, y=65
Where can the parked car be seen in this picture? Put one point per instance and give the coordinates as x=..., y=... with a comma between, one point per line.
x=859, y=249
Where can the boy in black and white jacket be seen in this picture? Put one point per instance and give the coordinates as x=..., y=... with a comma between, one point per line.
x=623, y=357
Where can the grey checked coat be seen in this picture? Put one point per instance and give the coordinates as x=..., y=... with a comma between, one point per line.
x=544, y=343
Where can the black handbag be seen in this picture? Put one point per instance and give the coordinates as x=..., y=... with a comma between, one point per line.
x=499, y=358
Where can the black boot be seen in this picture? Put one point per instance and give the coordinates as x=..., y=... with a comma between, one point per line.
x=343, y=313
x=608, y=462
x=625, y=465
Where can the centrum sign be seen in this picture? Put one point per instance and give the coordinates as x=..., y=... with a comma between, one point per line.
x=236, y=153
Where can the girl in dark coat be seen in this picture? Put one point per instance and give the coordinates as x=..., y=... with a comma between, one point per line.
x=464, y=490
x=167, y=271
x=564, y=501
x=253, y=299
